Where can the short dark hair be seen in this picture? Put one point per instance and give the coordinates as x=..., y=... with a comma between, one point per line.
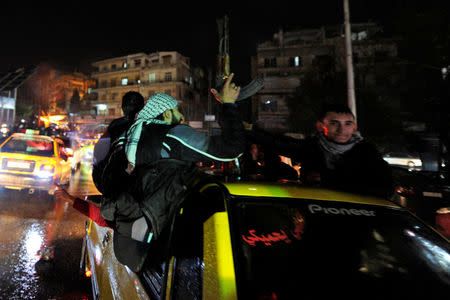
x=337, y=108
x=132, y=103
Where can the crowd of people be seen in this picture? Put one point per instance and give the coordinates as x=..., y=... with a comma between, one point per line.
x=150, y=146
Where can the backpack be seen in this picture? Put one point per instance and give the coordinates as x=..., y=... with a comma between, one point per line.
x=161, y=188
x=154, y=189
x=114, y=178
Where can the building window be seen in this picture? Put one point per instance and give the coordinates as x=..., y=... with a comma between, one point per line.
x=295, y=61
x=168, y=76
x=113, y=96
x=137, y=62
x=125, y=81
x=270, y=62
x=101, y=109
x=113, y=67
x=167, y=59
x=113, y=82
x=152, y=77
x=269, y=105
x=124, y=65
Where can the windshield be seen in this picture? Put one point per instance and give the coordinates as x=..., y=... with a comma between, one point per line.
x=285, y=248
x=29, y=145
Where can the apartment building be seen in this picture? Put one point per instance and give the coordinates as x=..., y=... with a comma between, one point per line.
x=283, y=61
x=160, y=72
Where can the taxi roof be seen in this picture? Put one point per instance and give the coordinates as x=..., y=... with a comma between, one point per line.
x=294, y=190
x=37, y=136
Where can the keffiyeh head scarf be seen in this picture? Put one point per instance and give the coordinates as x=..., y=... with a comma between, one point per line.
x=156, y=105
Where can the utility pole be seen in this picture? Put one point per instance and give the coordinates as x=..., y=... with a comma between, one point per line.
x=351, y=101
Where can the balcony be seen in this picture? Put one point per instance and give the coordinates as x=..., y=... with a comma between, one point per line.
x=104, y=71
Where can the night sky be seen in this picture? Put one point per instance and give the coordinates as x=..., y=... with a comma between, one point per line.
x=72, y=35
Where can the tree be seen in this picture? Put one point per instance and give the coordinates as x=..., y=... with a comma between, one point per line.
x=378, y=114
x=75, y=102
x=24, y=111
x=45, y=88
x=320, y=86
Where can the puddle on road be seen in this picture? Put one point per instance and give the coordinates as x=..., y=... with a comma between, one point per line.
x=22, y=274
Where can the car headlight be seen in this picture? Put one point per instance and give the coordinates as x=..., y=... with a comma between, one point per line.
x=46, y=171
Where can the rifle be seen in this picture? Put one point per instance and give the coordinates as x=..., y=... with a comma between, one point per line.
x=223, y=63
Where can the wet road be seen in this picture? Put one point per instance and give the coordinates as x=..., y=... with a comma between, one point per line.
x=26, y=223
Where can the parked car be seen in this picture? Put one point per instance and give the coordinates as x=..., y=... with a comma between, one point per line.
x=422, y=192
x=408, y=161
x=34, y=162
x=246, y=240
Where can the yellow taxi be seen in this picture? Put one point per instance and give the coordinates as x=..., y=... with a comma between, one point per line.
x=247, y=240
x=34, y=162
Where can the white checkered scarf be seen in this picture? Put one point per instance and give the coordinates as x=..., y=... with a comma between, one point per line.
x=156, y=105
x=333, y=151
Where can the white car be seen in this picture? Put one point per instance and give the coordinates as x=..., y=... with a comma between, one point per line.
x=408, y=161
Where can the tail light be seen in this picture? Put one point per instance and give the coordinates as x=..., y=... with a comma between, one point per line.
x=405, y=191
x=88, y=273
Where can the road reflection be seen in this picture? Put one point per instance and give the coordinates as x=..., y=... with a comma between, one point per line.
x=28, y=222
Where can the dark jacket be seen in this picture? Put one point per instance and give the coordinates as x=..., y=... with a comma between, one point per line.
x=165, y=169
x=360, y=170
x=188, y=144
x=103, y=146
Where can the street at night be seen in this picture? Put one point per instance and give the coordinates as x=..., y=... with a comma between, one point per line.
x=30, y=221
x=234, y=150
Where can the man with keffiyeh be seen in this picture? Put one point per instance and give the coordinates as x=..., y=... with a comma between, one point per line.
x=161, y=116
x=336, y=156
x=159, y=151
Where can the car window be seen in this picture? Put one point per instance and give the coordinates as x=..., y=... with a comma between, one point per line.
x=29, y=145
x=62, y=151
x=295, y=247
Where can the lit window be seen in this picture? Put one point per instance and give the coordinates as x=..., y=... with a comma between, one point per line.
x=124, y=65
x=269, y=105
x=125, y=81
x=152, y=77
x=297, y=61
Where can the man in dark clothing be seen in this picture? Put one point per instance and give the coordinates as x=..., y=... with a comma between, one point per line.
x=159, y=150
x=132, y=103
x=337, y=156
x=181, y=141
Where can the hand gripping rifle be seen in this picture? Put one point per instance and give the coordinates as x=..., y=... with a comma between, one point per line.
x=223, y=63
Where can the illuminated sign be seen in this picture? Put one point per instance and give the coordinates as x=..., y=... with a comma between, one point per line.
x=277, y=236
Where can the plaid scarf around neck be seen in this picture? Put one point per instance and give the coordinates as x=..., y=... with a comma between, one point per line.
x=156, y=105
x=333, y=151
